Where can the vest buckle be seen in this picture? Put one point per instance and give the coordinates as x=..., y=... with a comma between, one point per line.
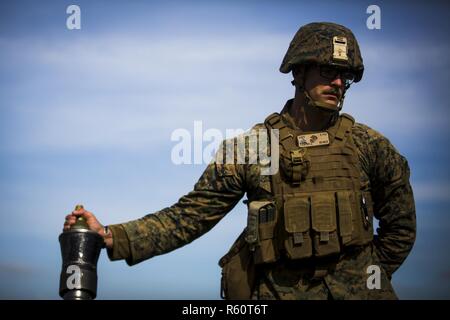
x=297, y=156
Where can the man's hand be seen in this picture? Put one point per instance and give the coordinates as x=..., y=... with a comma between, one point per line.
x=91, y=221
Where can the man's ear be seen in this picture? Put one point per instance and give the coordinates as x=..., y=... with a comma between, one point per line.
x=298, y=71
x=298, y=74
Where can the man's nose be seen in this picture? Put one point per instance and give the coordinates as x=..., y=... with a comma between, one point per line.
x=337, y=81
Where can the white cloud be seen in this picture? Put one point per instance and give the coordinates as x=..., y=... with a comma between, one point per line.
x=432, y=191
x=401, y=56
x=130, y=92
x=403, y=109
x=138, y=59
x=397, y=93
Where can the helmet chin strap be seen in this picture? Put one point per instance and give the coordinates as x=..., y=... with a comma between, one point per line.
x=325, y=106
x=322, y=105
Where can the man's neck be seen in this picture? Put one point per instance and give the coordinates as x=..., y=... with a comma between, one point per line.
x=309, y=118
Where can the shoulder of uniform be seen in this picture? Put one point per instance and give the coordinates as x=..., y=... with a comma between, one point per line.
x=253, y=131
x=273, y=120
x=348, y=117
x=258, y=126
x=240, y=141
x=363, y=131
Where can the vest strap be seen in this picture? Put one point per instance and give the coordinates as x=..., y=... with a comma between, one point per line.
x=345, y=126
x=274, y=121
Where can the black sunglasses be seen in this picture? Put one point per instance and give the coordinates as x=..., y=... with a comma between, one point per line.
x=331, y=73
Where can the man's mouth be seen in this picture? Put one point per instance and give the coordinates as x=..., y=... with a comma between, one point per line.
x=331, y=95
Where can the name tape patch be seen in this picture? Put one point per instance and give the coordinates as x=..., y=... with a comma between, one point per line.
x=313, y=139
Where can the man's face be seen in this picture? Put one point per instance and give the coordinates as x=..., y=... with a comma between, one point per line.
x=324, y=84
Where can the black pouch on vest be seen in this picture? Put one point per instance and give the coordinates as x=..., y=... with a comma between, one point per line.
x=346, y=215
x=262, y=218
x=323, y=214
x=297, y=224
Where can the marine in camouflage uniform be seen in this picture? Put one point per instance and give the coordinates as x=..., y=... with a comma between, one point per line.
x=304, y=264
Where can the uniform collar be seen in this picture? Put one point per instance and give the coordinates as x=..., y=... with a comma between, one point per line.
x=289, y=120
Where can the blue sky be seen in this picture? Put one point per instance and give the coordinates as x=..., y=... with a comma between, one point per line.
x=86, y=116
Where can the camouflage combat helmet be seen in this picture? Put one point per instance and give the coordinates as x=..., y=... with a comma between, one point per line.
x=324, y=43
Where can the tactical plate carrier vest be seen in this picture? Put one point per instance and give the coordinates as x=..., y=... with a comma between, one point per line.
x=318, y=205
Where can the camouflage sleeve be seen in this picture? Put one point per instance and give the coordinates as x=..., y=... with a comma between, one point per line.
x=393, y=202
x=216, y=193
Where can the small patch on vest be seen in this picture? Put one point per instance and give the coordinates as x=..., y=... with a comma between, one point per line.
x=313, y=139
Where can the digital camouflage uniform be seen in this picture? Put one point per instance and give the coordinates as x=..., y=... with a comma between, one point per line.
x=221, y=187
x=382, y=172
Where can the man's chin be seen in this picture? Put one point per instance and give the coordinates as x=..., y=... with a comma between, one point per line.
x=331, y=102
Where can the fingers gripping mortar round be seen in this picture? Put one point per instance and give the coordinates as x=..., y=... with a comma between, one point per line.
x=80, y=250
